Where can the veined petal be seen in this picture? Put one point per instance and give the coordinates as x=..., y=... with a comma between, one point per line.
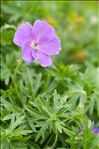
x=27, y=53
x=23, y=34
x=44, y=59
x=42, y=31
x=35, y=54
x=52, y=47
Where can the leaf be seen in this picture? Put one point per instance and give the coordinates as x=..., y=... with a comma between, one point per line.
x=42, y=131
x=18, y=121
x=92, y=104
x=7, y=117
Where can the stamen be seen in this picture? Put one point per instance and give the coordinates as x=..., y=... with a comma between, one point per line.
x=34, y=44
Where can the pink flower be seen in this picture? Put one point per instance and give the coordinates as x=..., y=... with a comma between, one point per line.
x=38, y=42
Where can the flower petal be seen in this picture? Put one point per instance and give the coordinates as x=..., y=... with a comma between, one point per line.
x=52, y=47
x=35, y=54
x=42, y=31
x=44, y=59
x=24, y=33
x=27, y=53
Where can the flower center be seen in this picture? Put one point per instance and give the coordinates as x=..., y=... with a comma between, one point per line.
x=34, y=45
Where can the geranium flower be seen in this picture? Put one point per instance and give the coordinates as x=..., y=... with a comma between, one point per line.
x=38, y=42
x=95, y=130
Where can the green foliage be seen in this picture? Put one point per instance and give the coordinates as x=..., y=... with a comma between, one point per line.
x=57, y=107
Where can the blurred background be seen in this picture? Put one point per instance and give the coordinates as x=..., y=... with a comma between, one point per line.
x=76, y=24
